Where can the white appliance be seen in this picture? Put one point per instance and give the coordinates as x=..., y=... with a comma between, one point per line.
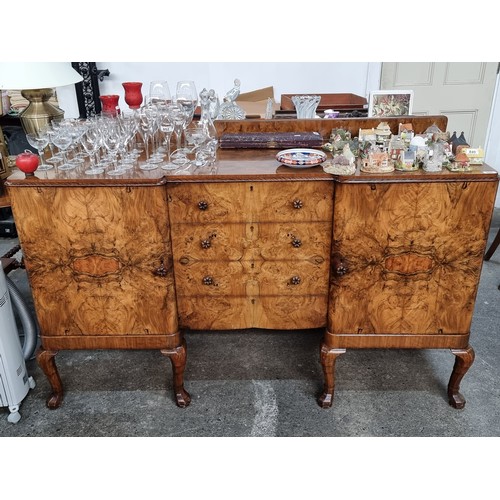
x=14, y=380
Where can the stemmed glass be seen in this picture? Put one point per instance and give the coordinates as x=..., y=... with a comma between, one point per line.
x=91, y=142
x=39, y=141
x=148, y=124
x=111, y=140
x=167, y=127
x=186, y=97
x=196, y=136
x=62, y=139
x=179, y=117
x=159, y=92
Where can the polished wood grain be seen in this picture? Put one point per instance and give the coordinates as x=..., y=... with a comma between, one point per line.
x=381, y=260
x=414, y=256
x=406, y=262
x=325, y=126
x=255, y=248
x=463, y=361
x=100, y=266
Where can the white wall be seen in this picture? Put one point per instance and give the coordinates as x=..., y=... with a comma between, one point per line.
x=322, y=77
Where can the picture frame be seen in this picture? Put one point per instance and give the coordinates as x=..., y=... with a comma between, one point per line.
x=384, y=103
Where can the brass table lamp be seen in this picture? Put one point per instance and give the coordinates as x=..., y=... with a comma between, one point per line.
x=36, y=80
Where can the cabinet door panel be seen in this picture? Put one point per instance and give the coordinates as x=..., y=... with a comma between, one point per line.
x=413, y=254
x=92, y=255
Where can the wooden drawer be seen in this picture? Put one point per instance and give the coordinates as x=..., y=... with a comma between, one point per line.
x=250, y=202
x=251, y=278
x=229, y=313
x=251, y=241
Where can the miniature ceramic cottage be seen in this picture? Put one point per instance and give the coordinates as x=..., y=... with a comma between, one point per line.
x=377, y=162
x=383, y=134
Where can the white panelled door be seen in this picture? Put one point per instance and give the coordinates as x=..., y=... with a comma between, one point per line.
x=463, y=91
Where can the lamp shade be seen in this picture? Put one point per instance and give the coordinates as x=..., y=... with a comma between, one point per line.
x=37, y=75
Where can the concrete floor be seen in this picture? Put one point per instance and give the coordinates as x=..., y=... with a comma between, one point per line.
x=265, y=383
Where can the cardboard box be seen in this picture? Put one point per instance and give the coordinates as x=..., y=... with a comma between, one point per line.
x=254, y=103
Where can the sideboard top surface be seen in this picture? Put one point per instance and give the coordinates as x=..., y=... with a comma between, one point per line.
x=254, y=165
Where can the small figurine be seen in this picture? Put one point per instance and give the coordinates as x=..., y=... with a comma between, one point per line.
x=229, y=110
x=382, y=134
x=340, y=165
x=376, y=163
x=460, y=163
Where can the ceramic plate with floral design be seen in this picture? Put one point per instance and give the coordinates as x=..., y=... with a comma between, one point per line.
x=301, y=158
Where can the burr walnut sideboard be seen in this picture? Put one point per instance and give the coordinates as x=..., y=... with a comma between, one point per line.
x=378, y=260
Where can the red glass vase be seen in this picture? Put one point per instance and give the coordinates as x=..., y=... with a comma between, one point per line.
x=110, y=104
x=133, y=94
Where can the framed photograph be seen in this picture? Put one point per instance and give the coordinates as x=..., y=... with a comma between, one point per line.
x=390, y=103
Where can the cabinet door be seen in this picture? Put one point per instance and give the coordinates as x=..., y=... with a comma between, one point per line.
x=412, y=255
x=98, y=259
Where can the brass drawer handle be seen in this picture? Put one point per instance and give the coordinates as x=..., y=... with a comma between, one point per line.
x=206, y=243
x=297, y=204
x=296, y=243
x=202, y=205
x=161, y=270
x=339, y=267
x=295, y=280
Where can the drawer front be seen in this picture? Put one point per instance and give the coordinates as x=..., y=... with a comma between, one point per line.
x=229, y=313
x=294, y=241
x=251, y=241
x=210, y=242
x=293, y=201
x=251, y=278
x=208, y=202
x=250, y=202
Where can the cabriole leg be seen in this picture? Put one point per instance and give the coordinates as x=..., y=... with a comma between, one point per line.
x=48, y=365
x=178, y=357
x=463, y=361
x=328, y=356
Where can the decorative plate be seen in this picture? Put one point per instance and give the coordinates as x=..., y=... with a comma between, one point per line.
x=301, y=158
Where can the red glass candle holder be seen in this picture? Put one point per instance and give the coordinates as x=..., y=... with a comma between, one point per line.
x=133, y=94
x=27, y=162
x=110, y=104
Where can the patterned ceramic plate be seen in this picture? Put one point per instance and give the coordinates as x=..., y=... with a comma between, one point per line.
x=301, y=158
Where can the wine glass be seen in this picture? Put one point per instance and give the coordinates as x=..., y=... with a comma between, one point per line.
x=179, y=117
x=62, y=139
x=186, y=97
x=159, y=92
x=111, y=140
x=91, y=142
x=196, y=136
x=39, y=141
